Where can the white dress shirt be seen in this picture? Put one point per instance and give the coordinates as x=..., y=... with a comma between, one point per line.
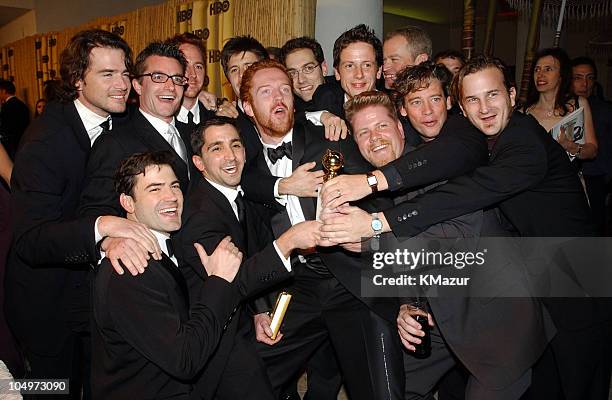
x=161, y=239
x=231, y=194
x=92, y=121
x=183, y=115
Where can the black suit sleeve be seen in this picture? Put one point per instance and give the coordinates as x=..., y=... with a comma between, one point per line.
x=257, y=273
x=519, y=164
x=144, y=316
x=99, y=196
x=44, y=233
x=456, y=152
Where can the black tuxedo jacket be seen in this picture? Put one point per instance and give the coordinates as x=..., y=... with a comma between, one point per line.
x=14, y=119
x=135, y=136
x=309, y=144
x=186, y=129
x=147, y=340
x=52, y=248
x=529, y=177
x=207, y=219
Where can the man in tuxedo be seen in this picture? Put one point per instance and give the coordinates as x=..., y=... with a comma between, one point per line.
x=456, y=336
x=46, y=286
x=159, y=82
x=530, y=179
x=326, y=303
x=192, y=111
x=150, y=339
x=402, y=48
x=14, y=117
x=216, y=208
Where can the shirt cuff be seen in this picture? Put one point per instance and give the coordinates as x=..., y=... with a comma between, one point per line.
x=315, y=117
x=393, y=177
x=280, y=198
x=286, y=261
x=98, y=238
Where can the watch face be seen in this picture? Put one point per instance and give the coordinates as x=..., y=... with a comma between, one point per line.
x=377, y=225
x=372, y=180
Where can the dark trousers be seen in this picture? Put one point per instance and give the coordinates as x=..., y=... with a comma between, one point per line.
x=323, y=310
x=73, y=362
x=573, y=367
x=422, y=375
x=597, y=190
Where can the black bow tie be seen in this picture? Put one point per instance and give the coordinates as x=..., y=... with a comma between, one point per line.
x=105, y=125
x=284, y=150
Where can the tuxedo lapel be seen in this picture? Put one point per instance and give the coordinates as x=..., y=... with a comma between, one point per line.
x=173, y=270
x=78, y=128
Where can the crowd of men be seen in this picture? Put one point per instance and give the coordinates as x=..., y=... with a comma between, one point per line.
x=150, y=241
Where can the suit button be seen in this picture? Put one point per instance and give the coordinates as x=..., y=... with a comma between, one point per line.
x=410, y=166
x=419, y=163
x=399, y=218
x=415, y=212
x=404, y=217
x=424, y=162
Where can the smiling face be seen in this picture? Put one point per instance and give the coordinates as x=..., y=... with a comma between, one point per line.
x=379, y=136
x=357, y=69
x=486, y=102
x=271, y=104
x=222, y=155
x=547, y=75
x=397, y=56
x=157, y=200
x=160, y=100
x=427, y=109
x=106, y=82
x=304, y=85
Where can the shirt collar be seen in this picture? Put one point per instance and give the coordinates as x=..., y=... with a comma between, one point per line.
x=161, y=239
x=288, y=137
x=90, y=119
x=229, y=193
x=183, y=115
x=160, y=125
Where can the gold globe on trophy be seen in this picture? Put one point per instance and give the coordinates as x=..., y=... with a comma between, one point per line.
x=332, y=161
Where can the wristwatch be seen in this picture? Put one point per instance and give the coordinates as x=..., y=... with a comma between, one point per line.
x=377, y=225
x=373, y=182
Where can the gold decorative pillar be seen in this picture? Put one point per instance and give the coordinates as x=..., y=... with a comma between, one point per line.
x=467, y=39
x=490, y=33
x=531, y=46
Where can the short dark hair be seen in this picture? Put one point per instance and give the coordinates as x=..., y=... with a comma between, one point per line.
x=7, y=86
x=450, y=53
x=136, y=164
x=74, y=60
x=477, y=64
x=240, y=44
x=161, y=49
x=299, y=43
x=197, y=136
x=360, y=33
x=188, y=38
x=585, y=61
x=419, y=76
x=418, y=40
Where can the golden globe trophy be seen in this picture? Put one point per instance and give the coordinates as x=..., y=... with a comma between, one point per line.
x=332, y=161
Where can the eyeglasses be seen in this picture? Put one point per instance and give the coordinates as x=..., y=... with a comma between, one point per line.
x=160, y=77
x=306, y=70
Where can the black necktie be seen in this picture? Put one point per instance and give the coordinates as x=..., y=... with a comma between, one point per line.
x=170, y=247
x=105, y=126
x=241, y=208
x=190, y=118
x=284, y=150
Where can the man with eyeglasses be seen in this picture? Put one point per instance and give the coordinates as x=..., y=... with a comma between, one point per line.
x=159, y=82
x=307, y=68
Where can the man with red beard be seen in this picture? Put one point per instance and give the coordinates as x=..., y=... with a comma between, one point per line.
x=326, y=303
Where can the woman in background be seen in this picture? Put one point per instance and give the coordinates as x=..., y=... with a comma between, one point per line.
x=40, y=107
x=549, y=99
